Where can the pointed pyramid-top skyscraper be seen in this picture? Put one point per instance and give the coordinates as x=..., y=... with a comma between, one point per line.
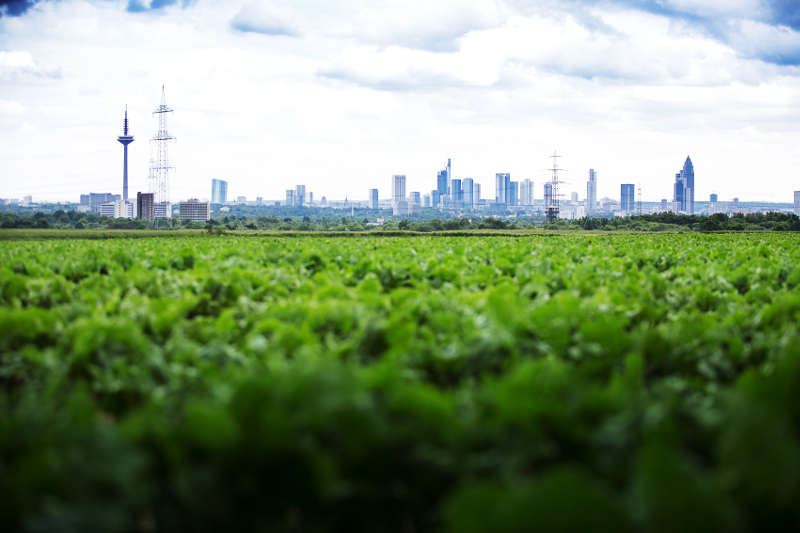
x=683, y=200
x=688, y=179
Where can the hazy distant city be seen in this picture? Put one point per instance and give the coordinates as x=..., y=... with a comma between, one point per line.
x=449, y=196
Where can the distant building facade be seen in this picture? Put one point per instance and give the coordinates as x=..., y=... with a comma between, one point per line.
x=513, y=193
x=468, y=193
x=398, y=188
x=548, y=194
x=399, y=202
x=683, y=193
x=300, y=196
x=591, y=191
x=219, y=191
x=627, y=194
x=289, y=201
x=526, y=195
x=194, y=210
x=502, y=185
x=797, y=203
x=373, y=198
x=95, y=199
x=456, y=193
x=119, y=208
x=145, y=205
x=442, y=182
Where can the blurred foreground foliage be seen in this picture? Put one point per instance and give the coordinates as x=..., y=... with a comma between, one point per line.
x=566, y=383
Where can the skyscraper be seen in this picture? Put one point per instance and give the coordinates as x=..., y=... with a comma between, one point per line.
x=526, y=192
x=300, y=195
x=373, y=198
x=398, y=188
x=449, y=177
x=125, y=139
x=415, y=199
x=476, y=195
x=435, y=199
x=456, y=193
x=591, y=191
x=548, y=194
x=678, y=197
x=513, y=193
x=289, y=198
x=441, y=182
x=688, y=177
x=627, y=194
x=219, y=191
x=502, y=185
x=683, y=197
x=468, y=192
x=797, y=203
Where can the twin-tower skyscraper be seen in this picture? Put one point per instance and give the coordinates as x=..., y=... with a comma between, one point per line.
x=160, y=166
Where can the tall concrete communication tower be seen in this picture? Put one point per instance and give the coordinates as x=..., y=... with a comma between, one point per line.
x=160, y=167
x=552, y=209
x=125, y=140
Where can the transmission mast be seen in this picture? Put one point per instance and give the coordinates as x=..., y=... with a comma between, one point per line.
x=552, y=209
x=160, y=167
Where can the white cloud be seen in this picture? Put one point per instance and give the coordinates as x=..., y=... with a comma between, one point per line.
x=417, y=24
x=17, y=65
x=362, y=90
x=10, y=107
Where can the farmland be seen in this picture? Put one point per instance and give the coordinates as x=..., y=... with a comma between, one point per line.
x=587, y=382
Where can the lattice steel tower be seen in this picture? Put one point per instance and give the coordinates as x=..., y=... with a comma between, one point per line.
x=160, y=167
x=125, y=140
x=552, y=209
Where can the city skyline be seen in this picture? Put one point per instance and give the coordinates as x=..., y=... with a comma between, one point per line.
x=625, y=89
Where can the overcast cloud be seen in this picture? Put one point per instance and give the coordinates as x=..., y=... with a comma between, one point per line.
x=341, y=95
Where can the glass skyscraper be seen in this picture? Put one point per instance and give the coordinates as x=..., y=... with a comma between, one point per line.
x=513, y=193
x=456, y=194
x=591, y=191
x=683, y=198
x=548, y=195
x=502, y=185
x=526, y=192
x=441, y=182
x=468, y=192
x=626, y=197
x=219, y=191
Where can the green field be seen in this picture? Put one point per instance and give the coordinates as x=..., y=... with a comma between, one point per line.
x=531, y=383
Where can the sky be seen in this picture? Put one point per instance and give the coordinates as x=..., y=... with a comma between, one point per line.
x=341, y=95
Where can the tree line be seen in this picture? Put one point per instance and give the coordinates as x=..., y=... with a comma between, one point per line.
x=362, y=222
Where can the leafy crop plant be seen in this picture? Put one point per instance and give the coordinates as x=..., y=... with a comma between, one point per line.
x=560, y=383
